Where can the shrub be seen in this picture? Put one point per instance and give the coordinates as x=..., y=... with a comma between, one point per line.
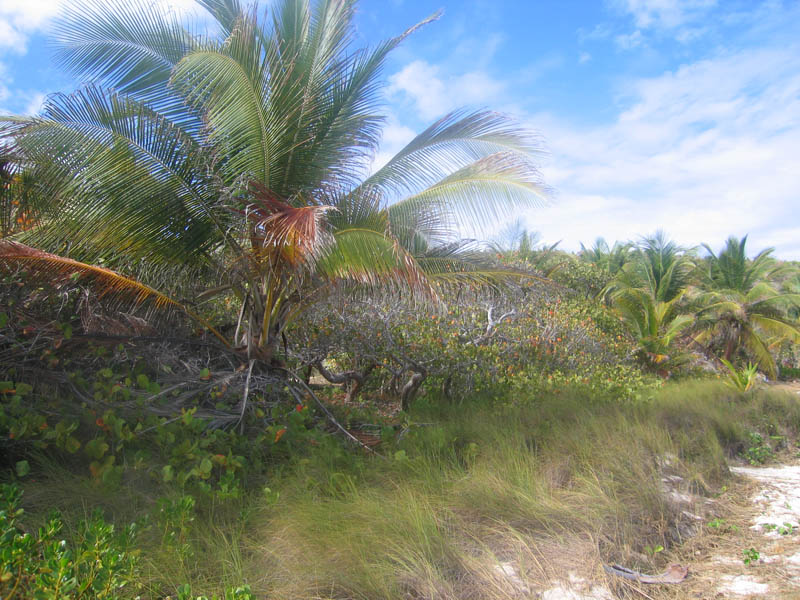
x=99, y=564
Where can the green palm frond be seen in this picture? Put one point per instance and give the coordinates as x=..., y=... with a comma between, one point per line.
x=466, y=263
x=373, y=259
x=758, y=347
x=226, y=13
x=777, y=327
x=131, y=47
x=230, y=84
x=363, y=211
x=731, y=269
x=453, y=142
x=121, y=177
x=480, y=194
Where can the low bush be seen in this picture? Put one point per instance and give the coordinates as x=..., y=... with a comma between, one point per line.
x=101, y=563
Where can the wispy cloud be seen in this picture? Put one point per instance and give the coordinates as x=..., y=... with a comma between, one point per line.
x=395, y=138
x=18, y=18
x=433, y=93
x=704, y=151
x=629, y=41
x=667, y=14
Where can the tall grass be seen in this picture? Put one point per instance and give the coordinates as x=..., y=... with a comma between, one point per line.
x=551, y=485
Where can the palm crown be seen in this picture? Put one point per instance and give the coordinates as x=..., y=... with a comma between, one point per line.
x=243, y=154
x=741, y=307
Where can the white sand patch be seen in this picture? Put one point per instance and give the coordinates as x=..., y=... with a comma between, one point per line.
x=743, y=585
x=728, y=560
x=780, y=497
x=577, y=588
x=509, y=573
x=794, y=559
x=563, y=593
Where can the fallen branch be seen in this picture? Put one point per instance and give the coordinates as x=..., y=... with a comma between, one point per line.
x=674, y=574
x=328, y=413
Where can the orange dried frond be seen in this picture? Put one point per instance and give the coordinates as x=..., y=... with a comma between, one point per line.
x=288, y=233
x=59, y=269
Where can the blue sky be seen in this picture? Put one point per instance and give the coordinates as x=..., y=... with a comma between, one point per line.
x=674, y=114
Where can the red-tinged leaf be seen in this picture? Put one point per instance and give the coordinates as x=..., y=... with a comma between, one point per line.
x=279, y=435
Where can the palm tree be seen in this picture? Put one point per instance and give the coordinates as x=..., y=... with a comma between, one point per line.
x=655, y=325
x=239, y=158
x=609, y=259
x=647, y=293
x=742, y=309
x=659, y=266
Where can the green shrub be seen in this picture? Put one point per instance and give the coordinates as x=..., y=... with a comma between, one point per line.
x=789, y=373
x=45, y=566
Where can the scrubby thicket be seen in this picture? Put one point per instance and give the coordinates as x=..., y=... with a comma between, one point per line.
x=506, y=423
x=233, y=361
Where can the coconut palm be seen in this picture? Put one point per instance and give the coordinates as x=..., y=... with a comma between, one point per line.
x=659, y=266
x=647, y=293
x=743, y=311
x=655, y=325
x=609, y=259
x=239, y=157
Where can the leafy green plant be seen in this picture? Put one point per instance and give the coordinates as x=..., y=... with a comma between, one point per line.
x=750, y=556
x=653, y=550
x=759, y=451
x=175, y=518
x=722, y=526
x=785, y=529
x=742, y=379
x=231, y=593
x=43, y=565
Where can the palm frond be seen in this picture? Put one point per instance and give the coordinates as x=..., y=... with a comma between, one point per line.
x=120, y=177
x=373, y=259
x=480, y=195
x=285, y=234
x=230, y=84
x=226, y=12
x=466, y=263
x=453, y=142
x=337, y=130
x=131, y=47
x=109, y=285
x=757, y=347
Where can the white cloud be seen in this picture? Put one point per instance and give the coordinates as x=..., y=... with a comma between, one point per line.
x=629, y=41
x=10, y=37
x=435, y=94
x=18, y=18
x=706, y=151
x=683, y=20
x=35, y=104
x=5, y=79
x=584, y=58
x=668, y=14
x=395, y=137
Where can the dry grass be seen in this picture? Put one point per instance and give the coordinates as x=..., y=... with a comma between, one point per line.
x=553, y=487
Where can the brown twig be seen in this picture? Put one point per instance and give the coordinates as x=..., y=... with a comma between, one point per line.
x=328, y=413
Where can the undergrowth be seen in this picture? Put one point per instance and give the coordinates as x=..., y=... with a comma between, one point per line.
x=548, y=483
